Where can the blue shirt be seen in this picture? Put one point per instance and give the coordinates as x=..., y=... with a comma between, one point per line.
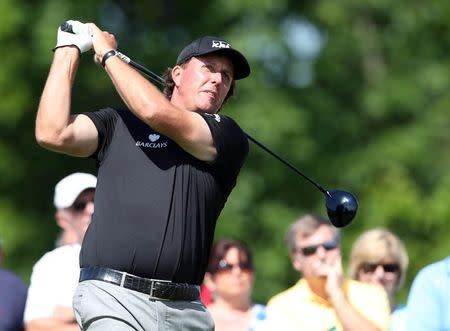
x=398, y=319
x=429, y=299
x=13, y=294
x=258, y=317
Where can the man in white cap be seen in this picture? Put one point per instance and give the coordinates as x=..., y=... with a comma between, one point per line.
x=55, y=276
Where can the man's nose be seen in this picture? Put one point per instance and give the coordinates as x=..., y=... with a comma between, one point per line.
x=321, y=252
x=217, y=77
x=89, y=207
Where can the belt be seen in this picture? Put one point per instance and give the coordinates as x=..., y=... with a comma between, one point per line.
x=155, y=288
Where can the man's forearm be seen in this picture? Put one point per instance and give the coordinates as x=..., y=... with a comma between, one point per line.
x=350, y=319
x=51, y=324
x=141, y=97
x=54, y=108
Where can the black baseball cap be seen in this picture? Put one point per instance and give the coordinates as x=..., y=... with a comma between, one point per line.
x=209, y=44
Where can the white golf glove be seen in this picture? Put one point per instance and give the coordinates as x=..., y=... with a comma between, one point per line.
x=81, y=37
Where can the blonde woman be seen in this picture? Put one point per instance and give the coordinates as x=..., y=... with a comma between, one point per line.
x=379, y=257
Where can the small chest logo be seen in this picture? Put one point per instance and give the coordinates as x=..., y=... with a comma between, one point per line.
x=153, y=142
x=153, y=137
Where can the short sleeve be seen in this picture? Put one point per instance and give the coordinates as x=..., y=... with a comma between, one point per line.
x=426, y=308
x=40, y=302
x=230, y=141
x=105, y=121
x=53, y=282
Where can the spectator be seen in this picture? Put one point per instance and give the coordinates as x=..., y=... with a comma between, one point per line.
x=379, y=257
x=428, y=305
x=322, y=299
x=66, y=237
x=55, y=276
x=13, y=294
x=230, y=277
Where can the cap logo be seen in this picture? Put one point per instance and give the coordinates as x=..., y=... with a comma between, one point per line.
x=220, y=44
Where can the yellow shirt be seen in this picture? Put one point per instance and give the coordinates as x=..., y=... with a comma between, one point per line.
x=298, y=308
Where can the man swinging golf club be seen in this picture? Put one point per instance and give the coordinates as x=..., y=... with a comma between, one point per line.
x=167, y=165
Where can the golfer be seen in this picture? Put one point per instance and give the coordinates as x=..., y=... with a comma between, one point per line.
x=167, y=165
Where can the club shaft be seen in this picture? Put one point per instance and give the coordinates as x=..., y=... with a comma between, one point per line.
x=159, y=80
x=154, y=77
x=289, y=165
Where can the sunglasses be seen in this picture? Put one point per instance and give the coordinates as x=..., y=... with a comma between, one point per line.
x=327, y=245
x=225, y=266
x=387, y=267
x=80, y=205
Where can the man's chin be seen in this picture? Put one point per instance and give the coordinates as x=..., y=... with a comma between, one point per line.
x=321, y=273
x=209, y=109
x=208, y=105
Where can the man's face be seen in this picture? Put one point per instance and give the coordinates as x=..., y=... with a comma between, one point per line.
x=75, y=219
x=202, y=83
x=316, y=253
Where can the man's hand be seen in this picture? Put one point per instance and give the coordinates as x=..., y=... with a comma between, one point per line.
x=103, y=41
x=81, y=38
x=335, y=278
x=349, y=317
x=64, y=314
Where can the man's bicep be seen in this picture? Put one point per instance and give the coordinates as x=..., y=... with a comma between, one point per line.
x=193, y=134
x=81, y=137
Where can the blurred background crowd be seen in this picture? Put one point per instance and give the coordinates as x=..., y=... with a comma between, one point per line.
x=324, y=297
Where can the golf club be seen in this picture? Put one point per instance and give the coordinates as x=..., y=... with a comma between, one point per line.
x=341, y=205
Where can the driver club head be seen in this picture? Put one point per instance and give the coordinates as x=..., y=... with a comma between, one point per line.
x=341, y=207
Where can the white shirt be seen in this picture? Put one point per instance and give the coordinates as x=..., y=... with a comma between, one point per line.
x=53, y=282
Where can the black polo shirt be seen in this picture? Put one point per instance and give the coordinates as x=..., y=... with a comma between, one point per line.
x=156, y=205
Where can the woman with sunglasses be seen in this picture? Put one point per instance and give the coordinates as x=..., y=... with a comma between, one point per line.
x=230, y=278
x=379, y=257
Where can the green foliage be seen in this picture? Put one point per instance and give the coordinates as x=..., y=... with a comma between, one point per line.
x=368, y=112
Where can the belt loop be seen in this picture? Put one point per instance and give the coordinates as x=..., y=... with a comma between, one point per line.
x=152, y=287
x=122, y=280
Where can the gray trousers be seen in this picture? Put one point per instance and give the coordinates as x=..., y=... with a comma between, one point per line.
x=102, y=306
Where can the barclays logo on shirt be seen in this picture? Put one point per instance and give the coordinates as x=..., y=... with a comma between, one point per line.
x=153, y=142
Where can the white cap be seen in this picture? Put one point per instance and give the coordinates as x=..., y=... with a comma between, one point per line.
x=70, y=187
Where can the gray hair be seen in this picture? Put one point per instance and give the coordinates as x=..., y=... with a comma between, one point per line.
x=306, y=226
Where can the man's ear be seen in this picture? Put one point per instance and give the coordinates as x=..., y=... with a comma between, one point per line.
x=61, y=219
x=176, y=74
x=296, y=262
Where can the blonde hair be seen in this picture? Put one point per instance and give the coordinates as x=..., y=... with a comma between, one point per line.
x=375, y=245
